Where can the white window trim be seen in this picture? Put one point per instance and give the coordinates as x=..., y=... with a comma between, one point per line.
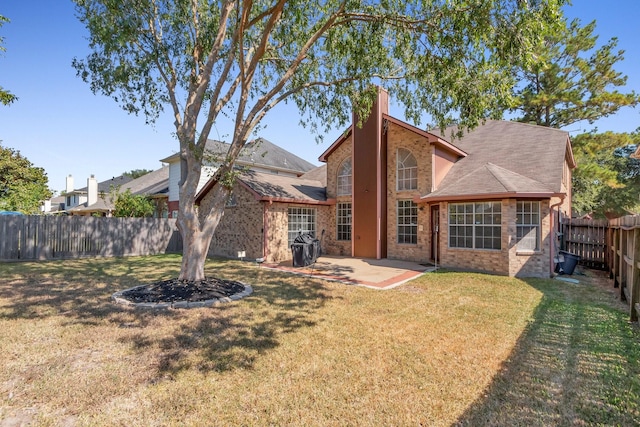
x=413, y=225
x=538, y=227
x=344, y=190
x=302, y=212
x=474, y=226
x=340, y=208
x=400, y=166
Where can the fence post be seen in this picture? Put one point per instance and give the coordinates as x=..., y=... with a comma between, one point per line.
x=634, y=280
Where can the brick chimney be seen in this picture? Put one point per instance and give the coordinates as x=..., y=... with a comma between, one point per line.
x=92, y=190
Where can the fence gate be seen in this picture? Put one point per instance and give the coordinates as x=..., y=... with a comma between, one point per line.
x=587, y=239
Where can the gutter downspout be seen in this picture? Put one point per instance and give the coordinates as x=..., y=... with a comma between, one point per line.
x=551, y=230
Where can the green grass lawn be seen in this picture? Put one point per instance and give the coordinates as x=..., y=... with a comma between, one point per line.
x=445, y=349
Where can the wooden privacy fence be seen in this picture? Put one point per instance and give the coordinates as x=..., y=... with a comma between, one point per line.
x=623, y=239
x=587, y=239
x=63, y=237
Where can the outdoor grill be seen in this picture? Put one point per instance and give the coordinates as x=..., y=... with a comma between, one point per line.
x=305, y=250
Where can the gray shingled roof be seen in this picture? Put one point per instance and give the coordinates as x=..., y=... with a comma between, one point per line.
x=506, y=157
x=153, y=183
x=270, y=186
x=105, y=186
x=259, y=152
x=317, y=174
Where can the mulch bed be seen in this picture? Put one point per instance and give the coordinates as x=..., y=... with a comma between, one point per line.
x=174, y=290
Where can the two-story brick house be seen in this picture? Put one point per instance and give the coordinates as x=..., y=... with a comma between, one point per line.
x=490, y=201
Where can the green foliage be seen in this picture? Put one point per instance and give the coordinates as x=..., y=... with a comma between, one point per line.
x=6, y=97
x=131, y=205
x=22, y=185
x=607, y=180
x=570, y=80
x=136, y=173
x=205, y=60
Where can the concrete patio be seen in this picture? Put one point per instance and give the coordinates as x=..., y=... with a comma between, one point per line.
x=372, y=273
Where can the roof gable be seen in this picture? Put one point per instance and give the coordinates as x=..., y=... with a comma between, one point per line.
x=279, y=188
x=259, y=152
x=490, y=181
x=535, y=152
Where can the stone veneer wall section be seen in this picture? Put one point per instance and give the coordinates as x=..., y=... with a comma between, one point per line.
x=398, y=137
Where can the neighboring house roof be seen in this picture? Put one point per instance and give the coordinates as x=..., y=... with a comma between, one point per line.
x=151, y=184
x=57, y=204
x=506, y=158
x=155, y=183
x=259, y=152
x=105, y=186
x=102, y=205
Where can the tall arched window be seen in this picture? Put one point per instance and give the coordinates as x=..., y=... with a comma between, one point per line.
x=407, y=170
x=344, y=178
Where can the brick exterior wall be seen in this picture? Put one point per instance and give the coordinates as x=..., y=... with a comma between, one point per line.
x=333, y=246
x=277, y=217
x=508, y=260
x=261, y=228
x=398, y=137
x=526, y=264
x=240, y=228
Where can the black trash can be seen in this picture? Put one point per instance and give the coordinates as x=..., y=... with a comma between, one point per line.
x=305, y=250
x=570, y=262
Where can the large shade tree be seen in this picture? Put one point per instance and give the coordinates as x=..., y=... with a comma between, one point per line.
x=204, y=60
x=607, y=180
x=570, y=79
x=6, y=97
x=23, y=186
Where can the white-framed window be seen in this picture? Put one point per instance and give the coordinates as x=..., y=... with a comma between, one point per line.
x=407, y=222
x=406, y=170
x=301, y=221
x=475, y=225
x=343, y=221
x=344, y=178
x=528, y=225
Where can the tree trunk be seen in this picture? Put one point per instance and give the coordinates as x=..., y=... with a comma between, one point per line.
x=194, y=253
x=197, y=230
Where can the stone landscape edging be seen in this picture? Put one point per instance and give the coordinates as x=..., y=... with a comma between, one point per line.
x=119, y=299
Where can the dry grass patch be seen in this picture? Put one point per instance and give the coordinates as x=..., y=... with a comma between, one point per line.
x=444, y=349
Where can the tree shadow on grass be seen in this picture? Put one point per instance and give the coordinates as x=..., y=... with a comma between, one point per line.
x=238, y=335
x=575, y=364
x=224, y=337
x=78, y=289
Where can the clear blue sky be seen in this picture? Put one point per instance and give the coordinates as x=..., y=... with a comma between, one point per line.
x=59, y=125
